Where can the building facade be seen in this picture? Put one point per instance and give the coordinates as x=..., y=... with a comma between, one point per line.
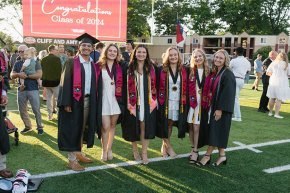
x=211, y=43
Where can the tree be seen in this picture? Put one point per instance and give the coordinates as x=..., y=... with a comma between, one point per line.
x=166, y=13
x=277, y=15
x=264, y=51
x=139, y=11
x=5, y=41
x=240, y=16
x=254, y=17
x=202, y=17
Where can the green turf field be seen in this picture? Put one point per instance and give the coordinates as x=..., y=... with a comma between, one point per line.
x=243, y=173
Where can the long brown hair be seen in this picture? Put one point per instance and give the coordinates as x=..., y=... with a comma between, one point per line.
x=103, y=58
x=282, y=56
x=166, y=62
x=133, y=60
x=193, y=65
x=227, y=59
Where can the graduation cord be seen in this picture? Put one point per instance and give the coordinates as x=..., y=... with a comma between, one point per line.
x=167, y=95
x=180, y=99
x=149, y=89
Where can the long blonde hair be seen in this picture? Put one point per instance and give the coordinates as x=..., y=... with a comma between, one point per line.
x=227, y=59
x=193, y=65
x=103, y=58
x=165, y=61
x=282, y=56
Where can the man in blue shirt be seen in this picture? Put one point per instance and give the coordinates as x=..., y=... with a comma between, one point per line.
x=30, y=93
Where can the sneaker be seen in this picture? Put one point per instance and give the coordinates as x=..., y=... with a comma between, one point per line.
x=40, y=131
x=236, y=119
x=270, y=114
x=25, y=130
x=278, y=117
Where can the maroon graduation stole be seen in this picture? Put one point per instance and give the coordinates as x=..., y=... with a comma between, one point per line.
x=1, y=87
x=211, y=84
x=2, y=62
x=192, y=91
x=132, y=92
x=163, y=86
x=77, y=78
x=119, y=81
x=206, y=94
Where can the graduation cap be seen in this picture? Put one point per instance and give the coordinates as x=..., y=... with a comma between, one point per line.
x=87, y=38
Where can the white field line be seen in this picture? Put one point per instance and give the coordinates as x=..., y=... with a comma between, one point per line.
x=131, y=163
x=277, y=169
x=247, y=147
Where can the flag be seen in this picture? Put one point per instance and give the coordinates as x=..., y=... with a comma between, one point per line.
x=179, y=33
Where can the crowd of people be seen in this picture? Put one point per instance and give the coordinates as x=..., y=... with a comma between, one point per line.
x=99, y=87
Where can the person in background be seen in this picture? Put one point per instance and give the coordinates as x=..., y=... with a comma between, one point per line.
x=61, y=53
x=258, y=70
x=139, y=118
x=240, y=66
x=172, y=103
x=77, y=102
x=264, y=100
x=40, y=56
x=4, y=137
x=70, y=52
x=51, y=72
x=278, y=89
x=129, y=49
x=221, y=94
x=30, y=93
x=28, y=66
x=95, y=55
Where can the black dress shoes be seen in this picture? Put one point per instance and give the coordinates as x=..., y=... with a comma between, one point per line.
x=261, y=110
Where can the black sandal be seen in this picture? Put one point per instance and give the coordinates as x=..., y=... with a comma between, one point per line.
x=207, y=163
x=223, y=162
x=192, y=161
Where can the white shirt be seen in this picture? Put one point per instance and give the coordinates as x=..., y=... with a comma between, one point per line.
x=88, y=74
x=4, y=93
x=240, y=66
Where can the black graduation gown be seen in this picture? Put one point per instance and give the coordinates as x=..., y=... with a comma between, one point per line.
x=223, y=99
x=100, y=99
x=70, y=124
x=4, y=137
x=162, y=123
x=131, y=124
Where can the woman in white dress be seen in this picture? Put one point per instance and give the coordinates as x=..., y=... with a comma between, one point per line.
x=278, y=89
x=139, y=118
x=198, y=71
x=172, y=104
x=110, y=93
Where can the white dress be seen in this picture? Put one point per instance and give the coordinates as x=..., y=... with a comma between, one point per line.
x=278, y=82
x=140, y=89
x=193, y=114
x=109, y=102
x=173, y=99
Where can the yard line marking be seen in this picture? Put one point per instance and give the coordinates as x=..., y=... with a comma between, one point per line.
x=132, y=163
x=247, y=147
x=277, y=169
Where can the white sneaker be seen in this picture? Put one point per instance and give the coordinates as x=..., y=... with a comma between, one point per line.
x=236, y=119
x=270, y=114
x=278, y=117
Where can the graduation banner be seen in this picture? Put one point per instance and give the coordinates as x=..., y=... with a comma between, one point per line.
x=67, y=19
